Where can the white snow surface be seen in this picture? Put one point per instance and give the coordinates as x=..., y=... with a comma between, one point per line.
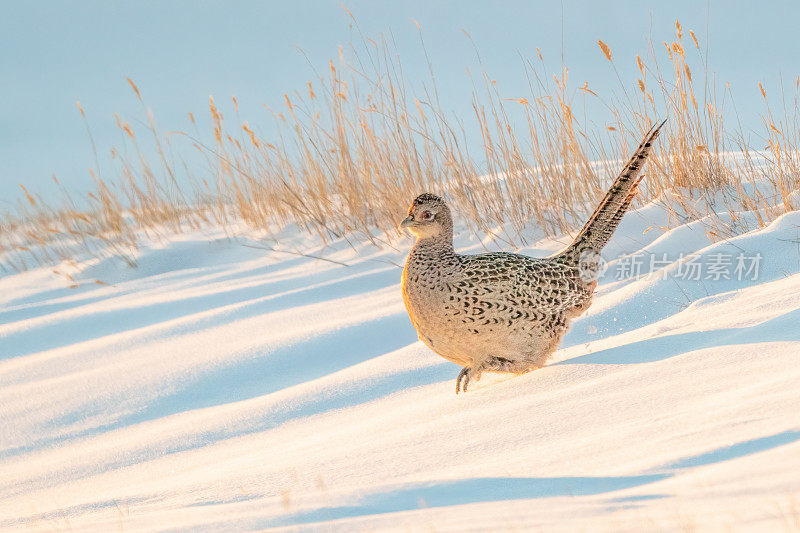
x=219, y=386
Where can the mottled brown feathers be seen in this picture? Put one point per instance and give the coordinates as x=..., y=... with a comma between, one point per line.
x=427, y=197
x=502, y=312
x=597, y=231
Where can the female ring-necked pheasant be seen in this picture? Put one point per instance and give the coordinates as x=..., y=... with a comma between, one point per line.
x=504, y=312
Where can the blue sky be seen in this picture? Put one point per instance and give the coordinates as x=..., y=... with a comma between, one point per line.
x=53, y=54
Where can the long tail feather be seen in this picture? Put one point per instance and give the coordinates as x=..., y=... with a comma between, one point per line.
x=605, y=219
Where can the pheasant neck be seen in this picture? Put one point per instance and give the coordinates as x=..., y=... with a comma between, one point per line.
x=439, y=247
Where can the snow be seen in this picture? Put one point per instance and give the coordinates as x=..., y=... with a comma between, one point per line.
x=221, y=386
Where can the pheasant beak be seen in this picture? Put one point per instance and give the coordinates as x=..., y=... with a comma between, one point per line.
x=408, y=221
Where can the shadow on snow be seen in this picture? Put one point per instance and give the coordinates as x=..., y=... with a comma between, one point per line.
x=780, y=328
x=466, y=491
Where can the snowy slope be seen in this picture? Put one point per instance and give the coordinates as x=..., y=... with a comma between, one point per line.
x=222, y=386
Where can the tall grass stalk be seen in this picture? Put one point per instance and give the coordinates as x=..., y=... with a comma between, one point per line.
x=356, y=145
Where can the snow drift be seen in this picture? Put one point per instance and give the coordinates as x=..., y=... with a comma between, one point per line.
x=221, y=386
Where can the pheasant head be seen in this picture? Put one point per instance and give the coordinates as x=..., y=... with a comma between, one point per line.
x=429, y=218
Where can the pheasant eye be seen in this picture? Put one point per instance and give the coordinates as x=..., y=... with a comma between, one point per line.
x=426, y=215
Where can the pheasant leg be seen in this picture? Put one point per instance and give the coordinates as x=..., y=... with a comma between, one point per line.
x=463, y=375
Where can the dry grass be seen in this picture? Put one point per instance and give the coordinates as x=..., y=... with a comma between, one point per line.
x=356, y=145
